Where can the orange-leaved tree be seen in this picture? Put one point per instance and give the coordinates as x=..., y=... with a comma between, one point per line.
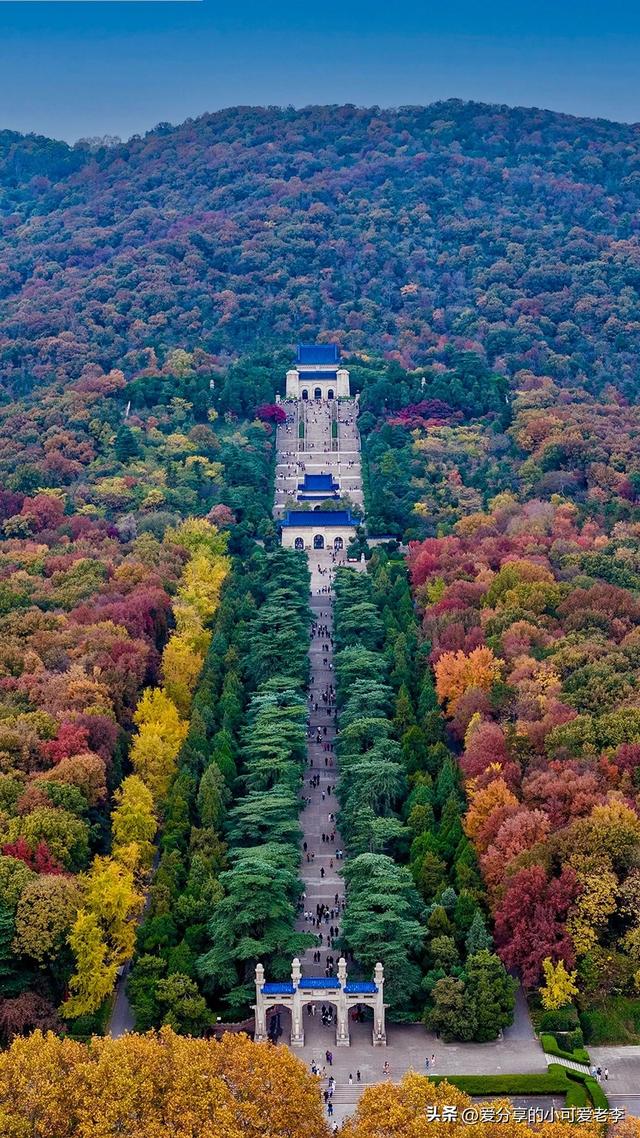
x=158, y=1085
x=456, y=672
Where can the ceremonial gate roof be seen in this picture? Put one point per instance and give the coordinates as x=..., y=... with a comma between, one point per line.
x=317, y=354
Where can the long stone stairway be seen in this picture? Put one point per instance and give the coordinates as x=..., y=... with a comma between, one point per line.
x=321, y=859
x=318, y=451
x=324, y=888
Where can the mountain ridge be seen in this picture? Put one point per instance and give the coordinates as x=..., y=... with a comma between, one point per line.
x=510, y=232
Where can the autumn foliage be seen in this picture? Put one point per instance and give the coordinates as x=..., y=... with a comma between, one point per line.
x=109, y=580
x=156, y=1086
x=102, y=938
x=418, y=1108
x=532, y=626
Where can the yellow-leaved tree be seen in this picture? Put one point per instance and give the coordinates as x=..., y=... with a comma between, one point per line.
x=161, y=732
x=157, y=1086
x=456, y=672
x=94, y=974
x=560, y=987
x=133, y=823
x=103, y=935
x=181, y=666
x=418, y=1108
x=596, y=900
x=110, y=893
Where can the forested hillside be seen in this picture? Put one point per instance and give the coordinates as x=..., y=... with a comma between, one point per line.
x=527, y=580
x=479, y=267
x=511, y=233
x=119, y=532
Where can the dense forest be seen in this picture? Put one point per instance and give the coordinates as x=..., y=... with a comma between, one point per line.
x=522, y=527
x=162, y=1085
x=511, y=233
x=480, y=268
x=120, y=528
x=415, y=897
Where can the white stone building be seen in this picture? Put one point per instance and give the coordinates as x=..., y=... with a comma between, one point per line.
x=318, y=529
x=318, y=374
x=344, y=995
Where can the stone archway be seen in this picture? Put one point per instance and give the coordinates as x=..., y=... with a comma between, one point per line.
x=298, y=543
x=305, y=393
x=315, y=1006
x=317, y=393
x=330, y=394
x=318, y=541
x=338, y=544
x=344, y=995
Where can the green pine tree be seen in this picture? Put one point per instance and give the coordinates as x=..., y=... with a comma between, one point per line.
x=9, y=977
x=478, y=938
x=126, y=445
x=491, y=993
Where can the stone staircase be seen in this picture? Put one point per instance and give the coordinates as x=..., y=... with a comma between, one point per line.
x=571, y=1063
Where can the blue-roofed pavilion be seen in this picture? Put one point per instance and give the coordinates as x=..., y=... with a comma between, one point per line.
x=317, y=374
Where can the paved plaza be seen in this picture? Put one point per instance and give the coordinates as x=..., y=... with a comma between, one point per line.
x=622, y=1088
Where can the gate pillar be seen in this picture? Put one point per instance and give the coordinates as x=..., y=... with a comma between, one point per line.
x=342, y=1025
x=259, y=1008
x=297, y=1024
x=379, y=1026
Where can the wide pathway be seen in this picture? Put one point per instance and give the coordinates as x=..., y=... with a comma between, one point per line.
x=323, y=844
x=408, y=1044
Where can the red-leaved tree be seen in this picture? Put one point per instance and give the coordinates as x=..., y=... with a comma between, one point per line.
x=530, y=921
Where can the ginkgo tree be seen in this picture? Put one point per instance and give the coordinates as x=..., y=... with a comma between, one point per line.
x=157, y=1084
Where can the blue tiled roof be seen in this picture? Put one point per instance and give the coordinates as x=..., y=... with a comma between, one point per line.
x=317, y=497
x=285, y=989
x=317, y=354
x=311, y=519
x=307, y=373
x=361, y=986
x=318, y=482
x=319, y=982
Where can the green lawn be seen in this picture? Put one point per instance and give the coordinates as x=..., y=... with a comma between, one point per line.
x=618, y=1022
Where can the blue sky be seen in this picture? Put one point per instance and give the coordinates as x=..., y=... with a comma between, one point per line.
x=70, y=69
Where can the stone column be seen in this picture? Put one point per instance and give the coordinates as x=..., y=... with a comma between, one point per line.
x=379, y=1026
x=297, y=1024
x=342, y=1026
x=342, y=377
x=259, y=1008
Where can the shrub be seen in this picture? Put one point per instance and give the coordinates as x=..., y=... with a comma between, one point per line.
x=554, y=1081
x=551, y=1046
x=577, y=1095
x=560, y=1019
